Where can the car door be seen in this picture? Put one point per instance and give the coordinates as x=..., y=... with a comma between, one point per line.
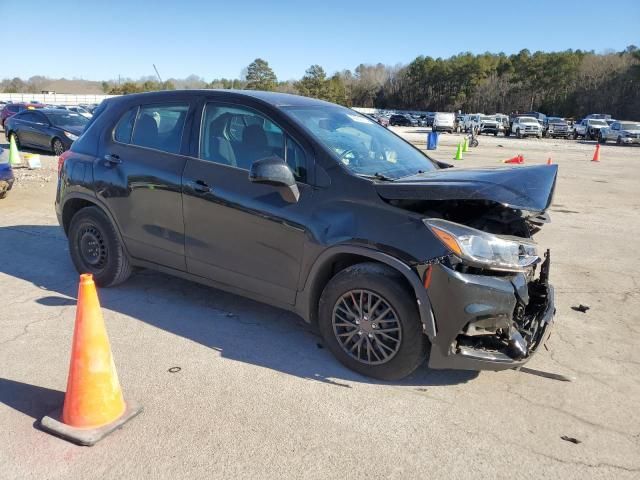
x=240, y=234
x=25, y=125
x=613, y=132
x=138, y=176
x=41, y=135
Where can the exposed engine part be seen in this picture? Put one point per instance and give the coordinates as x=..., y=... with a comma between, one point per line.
x=487, y=326
x=480, y=214
x=517, y=345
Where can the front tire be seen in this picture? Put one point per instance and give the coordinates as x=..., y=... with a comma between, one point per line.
x=370, y=322
x=57, y=147
x=518, y=134
x=95, y=248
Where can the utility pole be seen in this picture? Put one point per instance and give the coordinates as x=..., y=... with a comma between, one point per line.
x=154, y=67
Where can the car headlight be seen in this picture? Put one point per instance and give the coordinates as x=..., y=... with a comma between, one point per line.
x=482, y=249
x=70, y=136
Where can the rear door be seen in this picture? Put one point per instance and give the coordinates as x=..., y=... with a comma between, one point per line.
x=238, y=233
x=138, y=175
x=41, y=130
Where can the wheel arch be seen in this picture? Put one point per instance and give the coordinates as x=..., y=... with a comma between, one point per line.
x=76, y=202
x=336, y=259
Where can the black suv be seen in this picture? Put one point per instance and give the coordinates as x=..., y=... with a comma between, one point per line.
x=316, y=209
x=403, y=121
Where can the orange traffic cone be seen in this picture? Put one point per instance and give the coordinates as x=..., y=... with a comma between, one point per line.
x=93, y=404
x=596, y=154
x=520, y=159
x=549, y=161
x=513, y=160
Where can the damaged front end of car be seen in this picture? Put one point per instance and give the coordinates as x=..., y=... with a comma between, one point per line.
x=490, y=297
x=488, y=319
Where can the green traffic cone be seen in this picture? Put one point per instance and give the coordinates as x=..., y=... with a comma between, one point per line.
x=465, y=145
x=458, y=152
x=14, y=154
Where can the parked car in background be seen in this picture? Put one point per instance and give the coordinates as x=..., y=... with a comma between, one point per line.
x=12, y=108
x=471, y=121
x=555, y=127
x=47, y=129
x=77, y=109
x=392, y=256
x=621, y=132
x=444, y=122
x=489, y=125
x=526, y=127
x=403, y=121
x=598, y=116
x=6, y=178
x=541, y=117
x=589, y=128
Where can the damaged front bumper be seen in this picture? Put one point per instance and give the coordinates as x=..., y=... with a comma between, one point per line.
x=487, y=322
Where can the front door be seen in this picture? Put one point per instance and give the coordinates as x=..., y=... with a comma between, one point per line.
x=138, y=175
x=238, y=233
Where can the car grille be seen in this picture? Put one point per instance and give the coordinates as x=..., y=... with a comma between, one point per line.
x=529, y=128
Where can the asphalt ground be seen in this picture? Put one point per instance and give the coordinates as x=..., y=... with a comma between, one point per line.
x=256, y=395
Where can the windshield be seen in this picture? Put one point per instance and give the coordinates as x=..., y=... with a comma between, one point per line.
x=598, y=122
x=361, y=145
x=556, y=120
x=630, y=126
x=528, y=120
x=487, y=117
x=67, y=119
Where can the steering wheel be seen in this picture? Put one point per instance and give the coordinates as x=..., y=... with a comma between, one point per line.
x=345, y=153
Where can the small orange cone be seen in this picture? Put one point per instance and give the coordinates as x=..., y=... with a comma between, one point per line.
x=520, y=159
x=549, y=162
x=513, y=160
x=93, y=404
x=596, y=154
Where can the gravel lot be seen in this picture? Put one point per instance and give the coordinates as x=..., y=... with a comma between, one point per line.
x=257, y=396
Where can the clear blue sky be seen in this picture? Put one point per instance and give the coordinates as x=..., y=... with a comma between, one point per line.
x=98, y=40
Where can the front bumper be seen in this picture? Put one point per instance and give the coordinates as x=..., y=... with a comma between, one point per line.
x=630, y=140
x=488, y=322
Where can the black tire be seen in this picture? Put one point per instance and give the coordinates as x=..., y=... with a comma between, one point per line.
x=15, y=139
x=601, y=139
x=518, y=134
x=384, y=282
x=57, y=147
x=4, y=194
x=95, y=248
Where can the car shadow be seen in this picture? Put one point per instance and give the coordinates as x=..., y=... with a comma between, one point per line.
x=237, y=328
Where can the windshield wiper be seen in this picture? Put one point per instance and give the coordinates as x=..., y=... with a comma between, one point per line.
x=377, y=176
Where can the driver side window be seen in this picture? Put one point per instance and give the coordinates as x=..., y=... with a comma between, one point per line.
x=237, y=136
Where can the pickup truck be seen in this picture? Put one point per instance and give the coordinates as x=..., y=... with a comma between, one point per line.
x=588, y=128
x=555, y=127
x=489, y=124
x=526, y=126
x=622, y=132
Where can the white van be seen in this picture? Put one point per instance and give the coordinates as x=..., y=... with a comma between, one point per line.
x=444, y=122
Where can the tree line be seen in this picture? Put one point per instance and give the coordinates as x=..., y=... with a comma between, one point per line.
x=570, y=83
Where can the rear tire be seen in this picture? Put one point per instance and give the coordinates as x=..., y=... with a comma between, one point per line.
x=16, y=139
x=391, y=345
x=95, y=248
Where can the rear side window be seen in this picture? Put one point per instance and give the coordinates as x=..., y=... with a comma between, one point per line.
x=124, y=128
x=160, y=127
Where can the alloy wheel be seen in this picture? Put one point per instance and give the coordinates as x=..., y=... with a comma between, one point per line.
x=58, y=148
x=367, y=327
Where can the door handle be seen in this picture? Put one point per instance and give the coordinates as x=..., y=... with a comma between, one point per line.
x=201, y=186
x=112, y=159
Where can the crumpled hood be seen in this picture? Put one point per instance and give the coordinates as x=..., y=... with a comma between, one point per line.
x=524, y=188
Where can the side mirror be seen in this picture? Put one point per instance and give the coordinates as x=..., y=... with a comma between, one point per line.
x=274, y=171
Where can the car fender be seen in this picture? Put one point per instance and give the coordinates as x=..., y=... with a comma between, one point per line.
x=304, y=297
x=98, y=203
